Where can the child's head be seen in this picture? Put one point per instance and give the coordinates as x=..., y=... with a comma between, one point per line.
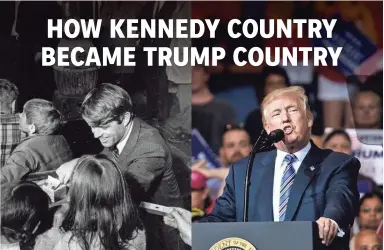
x=8, y=94
x=39, y=117
x=24, y=206
x=100, y=203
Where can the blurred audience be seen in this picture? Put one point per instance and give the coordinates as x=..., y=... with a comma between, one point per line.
x=272, y=78
x=371, y=211
x=9, y=121
x=339, y=141
x=367, y=110
x=43, y=149
x=366, y=240
x=201, y=201
x=209, y=115
x=374, y=83
x=235, y=145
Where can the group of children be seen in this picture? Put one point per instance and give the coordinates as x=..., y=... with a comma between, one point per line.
x=100, y=213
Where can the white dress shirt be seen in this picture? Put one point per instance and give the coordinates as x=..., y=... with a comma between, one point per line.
x=280, y=166
x=120, y=146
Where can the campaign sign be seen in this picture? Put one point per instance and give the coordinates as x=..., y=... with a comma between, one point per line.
x=202, y=151
x=357, y=48
x=367, y=146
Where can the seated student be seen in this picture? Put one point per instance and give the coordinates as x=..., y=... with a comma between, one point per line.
x=42, y=150
x=101, y=214
x=24, y=207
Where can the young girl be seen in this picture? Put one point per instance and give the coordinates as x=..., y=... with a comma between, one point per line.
x=42, y=150
x=24, y=210
x=101, y=213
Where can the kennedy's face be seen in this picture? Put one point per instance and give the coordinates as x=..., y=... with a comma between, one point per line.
x=109, y=134
x=287, y=112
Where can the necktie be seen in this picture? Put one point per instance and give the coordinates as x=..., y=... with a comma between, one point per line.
x=286, y=183
x=115, y=154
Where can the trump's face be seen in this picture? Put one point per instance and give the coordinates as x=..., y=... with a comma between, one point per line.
x=287, y=112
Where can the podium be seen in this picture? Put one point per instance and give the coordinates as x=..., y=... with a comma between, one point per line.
x=290, y=235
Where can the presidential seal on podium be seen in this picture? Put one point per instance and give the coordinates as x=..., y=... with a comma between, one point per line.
x=233, y=243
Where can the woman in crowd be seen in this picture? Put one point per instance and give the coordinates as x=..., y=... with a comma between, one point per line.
x=24, y=208
x=101, y=214
x=371, y=211
x=338, y=141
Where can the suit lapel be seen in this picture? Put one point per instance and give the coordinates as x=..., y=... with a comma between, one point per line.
x=264, y=192
x=132, y=140
x=307, y=170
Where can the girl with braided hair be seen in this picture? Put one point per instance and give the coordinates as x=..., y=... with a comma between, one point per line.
x=24, y=209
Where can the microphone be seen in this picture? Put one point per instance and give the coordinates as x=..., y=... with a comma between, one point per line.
x=263, y=143
x=276, y=136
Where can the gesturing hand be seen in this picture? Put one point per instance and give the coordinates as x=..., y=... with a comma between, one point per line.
x=327, y=230
x=180, y=219
x=64, y=172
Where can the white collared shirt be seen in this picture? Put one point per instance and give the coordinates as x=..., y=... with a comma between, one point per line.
x=120, y=146
x=279, y=170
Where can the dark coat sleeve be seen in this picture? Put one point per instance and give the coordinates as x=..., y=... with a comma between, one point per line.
x=342, y=195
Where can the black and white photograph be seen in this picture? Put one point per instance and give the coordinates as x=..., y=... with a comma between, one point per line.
x=92, y=156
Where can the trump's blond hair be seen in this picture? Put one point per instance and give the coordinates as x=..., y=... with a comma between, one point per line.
x=293, y=90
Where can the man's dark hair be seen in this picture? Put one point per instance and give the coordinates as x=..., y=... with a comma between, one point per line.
x=374, y=83
x=374, y=194
x=267, y=71
x=232, y=127
x=105, y=104
x=275, y=70
x=337, y=132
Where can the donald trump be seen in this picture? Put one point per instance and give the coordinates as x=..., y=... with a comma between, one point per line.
x=297, y=181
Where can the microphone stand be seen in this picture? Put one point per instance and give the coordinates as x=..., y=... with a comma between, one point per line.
x=260, y=146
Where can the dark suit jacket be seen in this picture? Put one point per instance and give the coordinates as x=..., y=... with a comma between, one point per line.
x=146, y=163
x=325, y=186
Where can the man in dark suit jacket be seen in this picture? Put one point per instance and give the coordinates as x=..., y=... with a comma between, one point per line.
x=297, y=181
x=139, y=150
x=147, y=162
